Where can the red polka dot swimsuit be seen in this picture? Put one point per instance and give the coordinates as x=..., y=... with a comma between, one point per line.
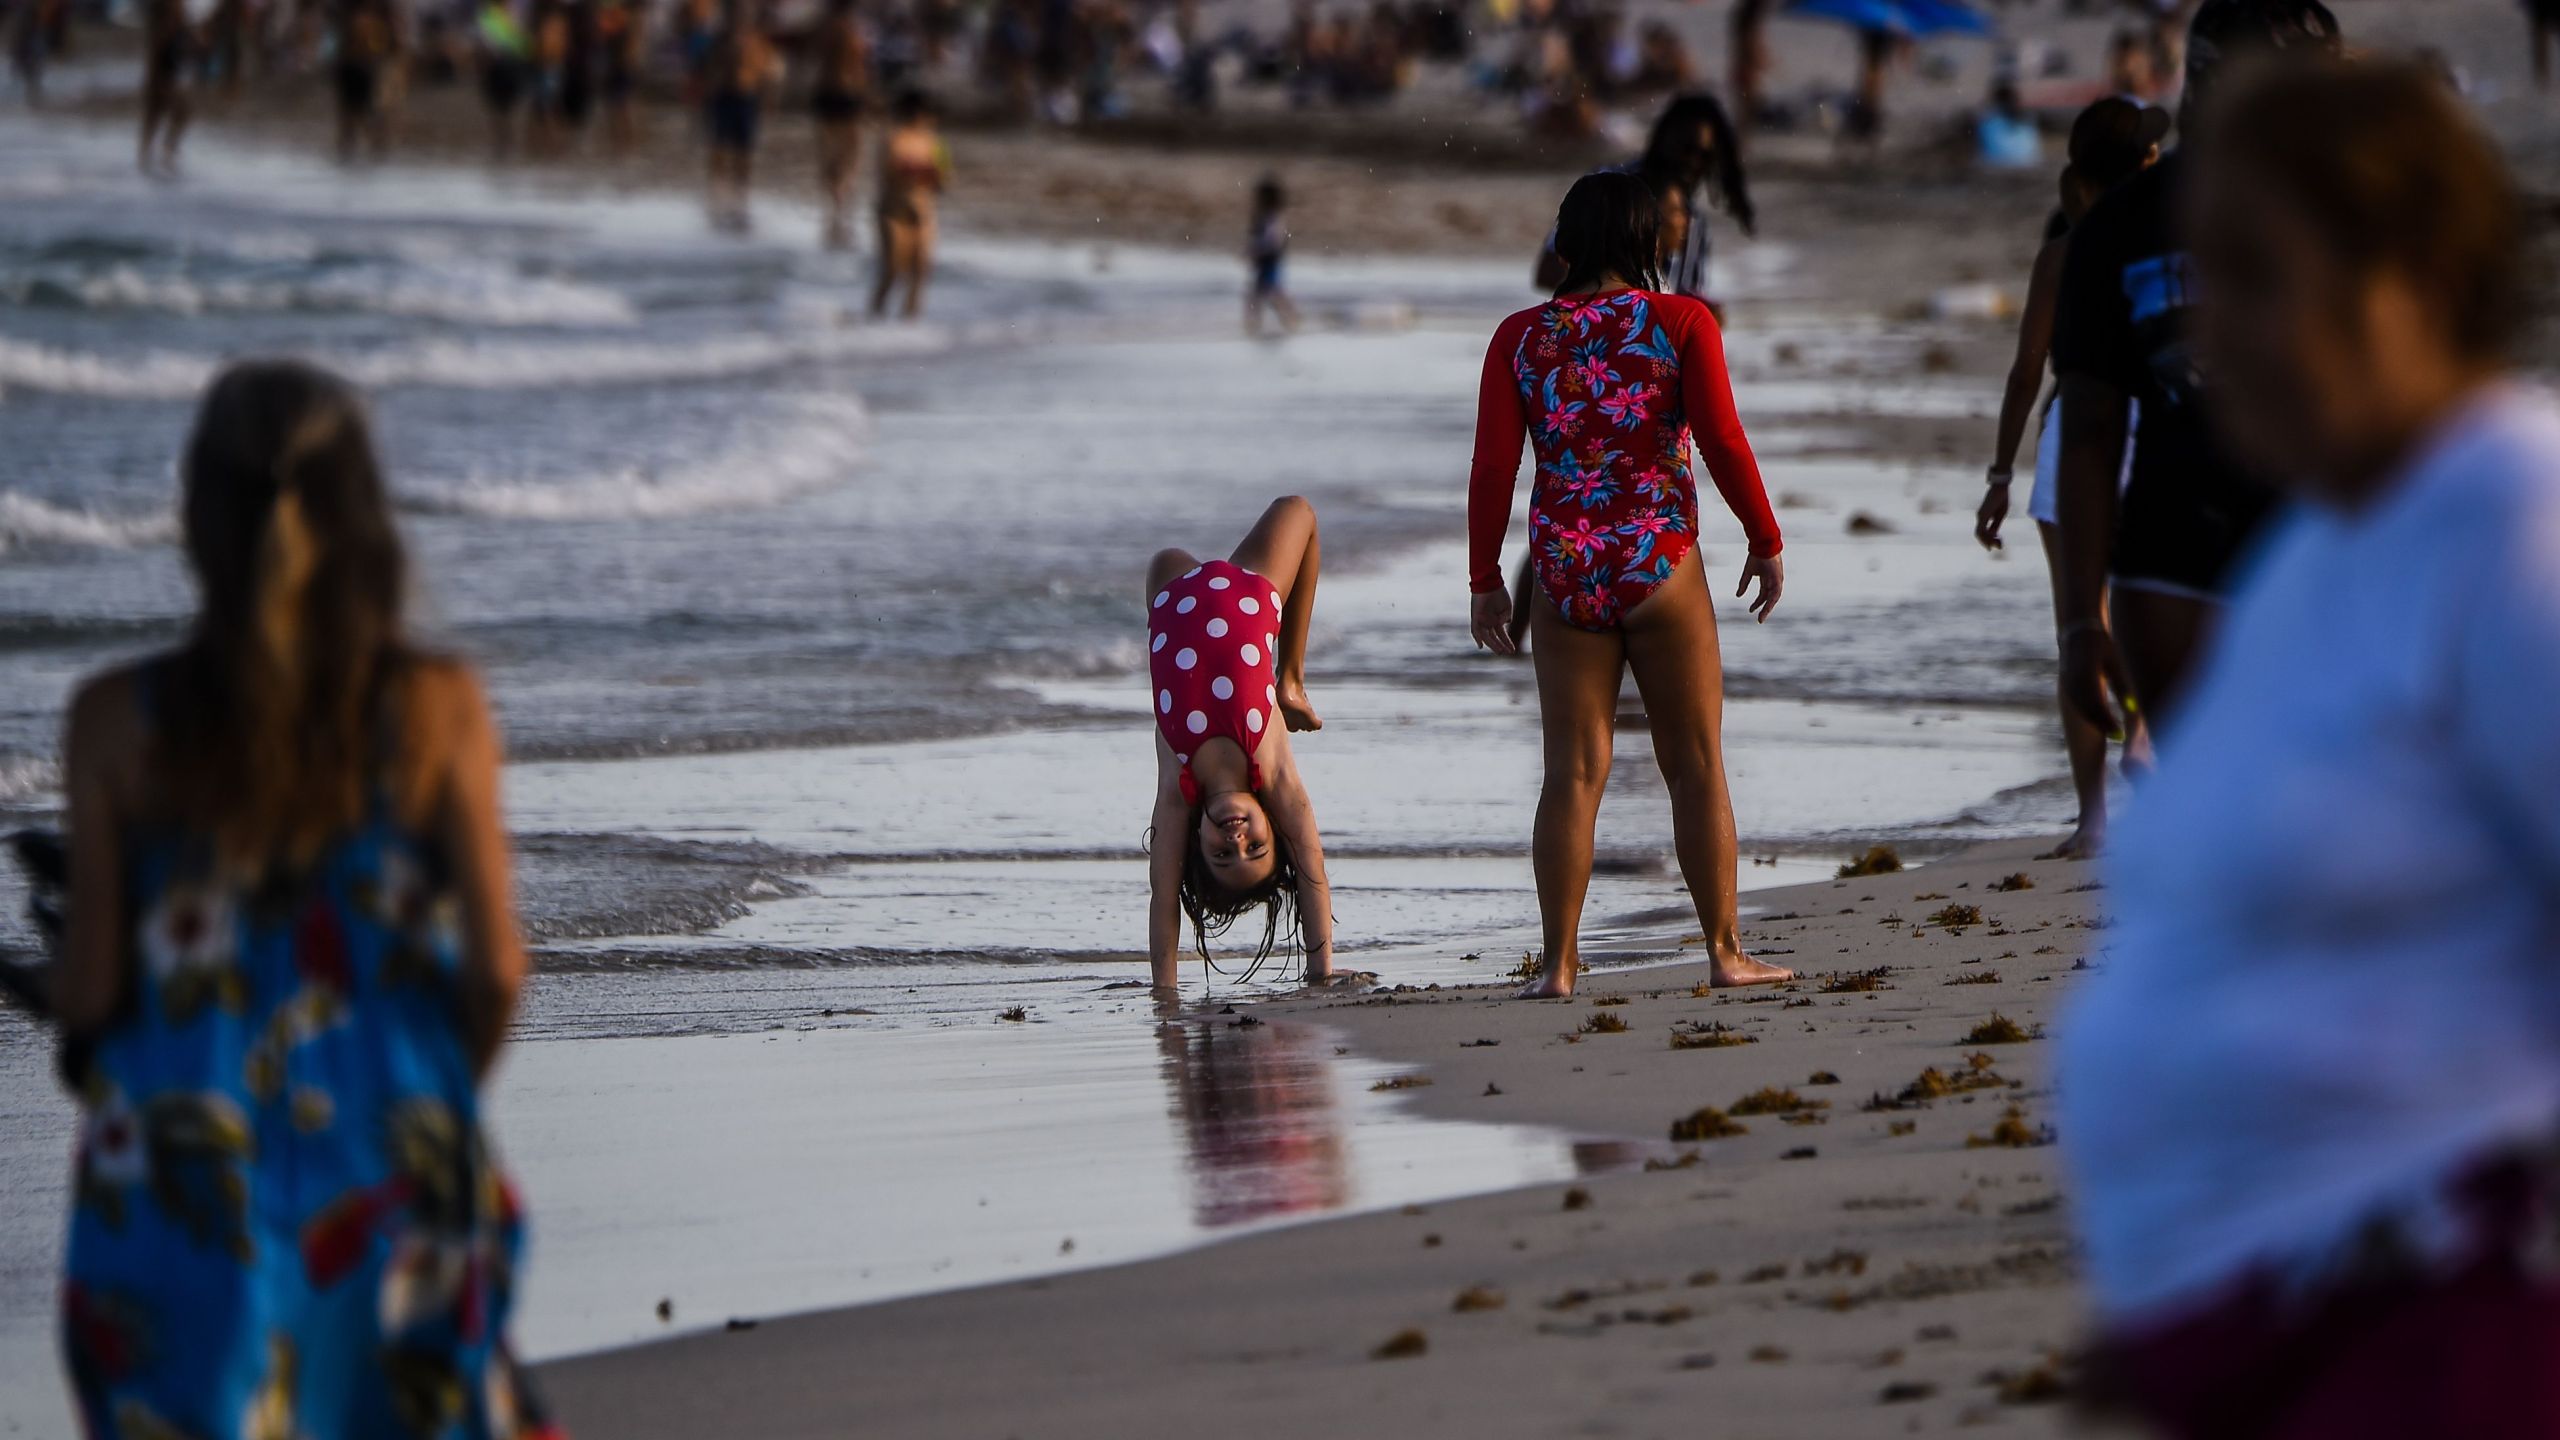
x=1608, y=389
x=1213, y=638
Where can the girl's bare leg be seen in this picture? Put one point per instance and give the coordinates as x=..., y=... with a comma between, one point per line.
x=893, y=249
x=920, y=264
x=1578, y=676
x=1164, y=568
x=1285, y=548
x=1679, y=666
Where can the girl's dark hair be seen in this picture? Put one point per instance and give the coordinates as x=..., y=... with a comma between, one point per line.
x=910, y=105
x=1675, y=140
x=1269, y=195
x=273, y=730
x=1610, y=224
x=1213, y=908
x=2390, y=171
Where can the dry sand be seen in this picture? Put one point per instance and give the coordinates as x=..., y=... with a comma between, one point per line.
x=1864, y=1272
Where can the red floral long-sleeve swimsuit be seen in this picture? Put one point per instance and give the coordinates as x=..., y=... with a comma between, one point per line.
x=1608, y=389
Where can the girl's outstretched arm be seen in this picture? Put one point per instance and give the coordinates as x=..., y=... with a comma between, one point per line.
x=1165, y=842
x=1293, y=818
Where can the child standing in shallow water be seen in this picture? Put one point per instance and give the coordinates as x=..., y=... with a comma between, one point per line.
x=1266, y=247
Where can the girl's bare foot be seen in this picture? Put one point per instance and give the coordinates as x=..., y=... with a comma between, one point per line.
x=1294, y=709
x=1743, y=970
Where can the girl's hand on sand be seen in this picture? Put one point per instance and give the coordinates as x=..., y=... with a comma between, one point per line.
x=1771, y=572
x=1994, y=512
x=1490, y=619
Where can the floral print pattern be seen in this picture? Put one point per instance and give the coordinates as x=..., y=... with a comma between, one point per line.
x=286, y=1223
x=1614, y=508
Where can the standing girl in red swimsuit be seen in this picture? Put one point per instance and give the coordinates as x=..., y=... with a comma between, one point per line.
x=1226, y=668
x=1607, y=381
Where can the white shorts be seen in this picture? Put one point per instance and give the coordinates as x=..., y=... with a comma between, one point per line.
x=2044, y=502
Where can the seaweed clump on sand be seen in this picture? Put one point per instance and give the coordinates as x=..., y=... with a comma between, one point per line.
x=1879, y=860
x=1823, y=1077
x=1936, y=1084
x=1712, y=1035
x=1402, y=1082
x=1603, y=1023
x=1774, y=1100
x=1479, y=1297
x=1956, y=917
x=2012, y=1133
x=1017, y=1015
x=1998, y=1030
x=1978, y=977
x=1851, y=982
x=1709, y=1123
x=1403, y=1345
x=2012, y=883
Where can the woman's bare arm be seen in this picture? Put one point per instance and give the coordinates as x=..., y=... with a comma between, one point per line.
x=101, y=743
x=472, y=827
x=2035, y=343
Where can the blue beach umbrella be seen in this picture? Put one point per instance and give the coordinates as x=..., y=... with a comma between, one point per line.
x=1911, y=19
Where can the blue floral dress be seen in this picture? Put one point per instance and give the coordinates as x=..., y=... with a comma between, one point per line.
x=286, y=1224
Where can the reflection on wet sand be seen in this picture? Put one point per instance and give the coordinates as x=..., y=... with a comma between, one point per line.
x=1262, y=1129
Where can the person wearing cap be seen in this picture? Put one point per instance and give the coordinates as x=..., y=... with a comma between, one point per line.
x=2144, y=575
x=2112, y=141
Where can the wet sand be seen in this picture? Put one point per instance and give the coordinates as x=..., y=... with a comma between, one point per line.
x=1865, y=1273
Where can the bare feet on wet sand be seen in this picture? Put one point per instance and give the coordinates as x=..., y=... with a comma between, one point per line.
x=1724, y=974
x=2084, y=844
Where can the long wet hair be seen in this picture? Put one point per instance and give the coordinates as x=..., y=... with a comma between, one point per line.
x=1213, y=909
x=272, y=725
x=1610, y=224
x=1675, y=136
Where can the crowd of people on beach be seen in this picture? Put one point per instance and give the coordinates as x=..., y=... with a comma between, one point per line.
x=2303, y=533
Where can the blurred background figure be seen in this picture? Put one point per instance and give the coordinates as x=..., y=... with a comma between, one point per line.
x=168, y=85
x=291, y=959
x=2313, y=1095
x=622, y=51
x=744, y=68
x=837, y=99
x=2144, y=577
x=2542, y=19
x=368, y=47
x=2005, y=136
x=1266, y=252
x=914, y=167
x=2112, y=141
x=504, y=56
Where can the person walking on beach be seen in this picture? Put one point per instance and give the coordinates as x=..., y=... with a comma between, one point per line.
x=168, y=82
x=2143, y=578
x=290, y=961
x=1606, y=382
x=1234, y=832
x=2112, y=141
x=367, y=47
x=837, y=101
x=914, y=167
x=744, y=68
x=2311, y=1100
x=504, y=54
x=1266, y=250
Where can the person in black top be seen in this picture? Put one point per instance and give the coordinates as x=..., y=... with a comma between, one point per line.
x=2121, y=335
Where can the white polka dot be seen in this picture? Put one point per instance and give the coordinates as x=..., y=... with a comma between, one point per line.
x=1274, y=592
x=1198, y=722
x=1164, y=702
x=1182, y=759
x=1219, y=582
x=1194, y=570
x=1189, y=604
x=1253, y=721
x=1249, y=605
x=1251, y=655
x=1161, y=597
x=1217, y=628
x=1157, y=643
x=1272, y=644
x=1271, y=693
x=1223, y=688
x=1185, y=658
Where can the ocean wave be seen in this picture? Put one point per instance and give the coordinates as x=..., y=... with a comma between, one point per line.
x=27, y=782
x=814, y=449
x=27, y=521
x=472, y=364
x=470, y=295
